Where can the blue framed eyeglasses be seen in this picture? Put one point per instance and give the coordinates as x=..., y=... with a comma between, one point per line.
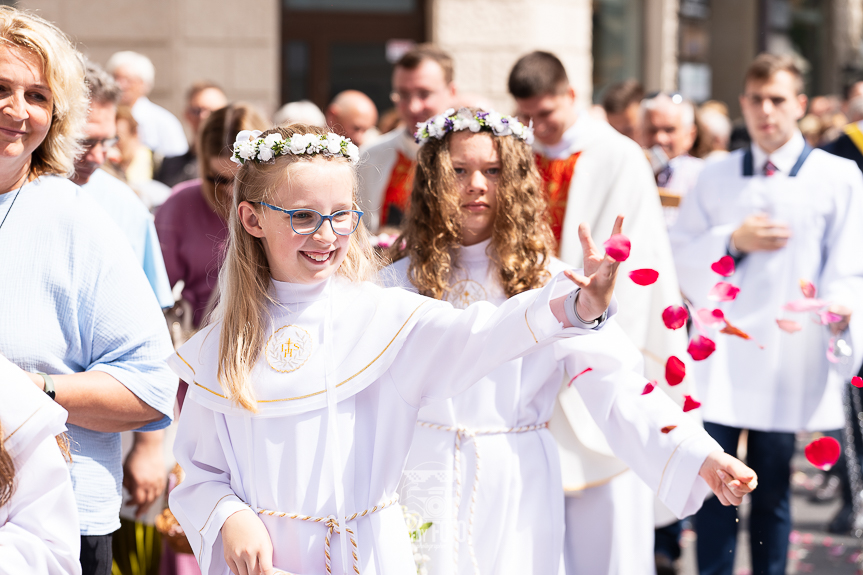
x=305, y=221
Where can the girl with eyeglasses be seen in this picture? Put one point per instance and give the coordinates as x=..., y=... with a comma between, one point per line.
x=304, y=390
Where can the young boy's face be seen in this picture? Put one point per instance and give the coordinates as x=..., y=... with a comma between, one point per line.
x=552, y=114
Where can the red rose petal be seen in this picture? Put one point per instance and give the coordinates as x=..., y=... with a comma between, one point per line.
x=689, y=404
x=618, y=246
x=651, y=385
x=579, y=375
x=674, y=316
x=710, y=316
x=723, y=291
x=701, y=347
x=857, y=381
x=823, y=453
x=644, y=277
x=805, y=305
x=808, y=288
x=675, y=370
x=788, y=325
x=724, y=267
x=668, y=428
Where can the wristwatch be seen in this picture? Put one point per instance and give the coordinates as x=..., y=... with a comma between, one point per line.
x=49, y=384
x=571, y=311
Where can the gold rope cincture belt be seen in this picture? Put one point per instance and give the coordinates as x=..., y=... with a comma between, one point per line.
x=461, y=434
x=333, y=525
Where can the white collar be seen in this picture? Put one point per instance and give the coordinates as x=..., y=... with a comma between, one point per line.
x=474, y=253
x=784, y=158
x=287, y=292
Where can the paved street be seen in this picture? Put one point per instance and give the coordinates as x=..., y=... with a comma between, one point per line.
x=813, y=549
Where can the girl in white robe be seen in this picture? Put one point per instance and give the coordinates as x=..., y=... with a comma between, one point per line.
x=303, y=394
x=483, y=466
x=39, y=531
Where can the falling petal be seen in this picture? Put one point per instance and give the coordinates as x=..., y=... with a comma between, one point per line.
x=829, y=317
x=579, y=375
x=701, y=347
x=788, y=325
x=731, y=330
x=710, y=316
x=674, y=316
x=675, y=370
x=808, y=289
x=805, y=305
x=823, y=453
x=689, y=404
x=617, y=247
x=668, y=428
x=857, y=381
x=644, y=277
x=723, y=291
x=724, y=267
x=649, y=387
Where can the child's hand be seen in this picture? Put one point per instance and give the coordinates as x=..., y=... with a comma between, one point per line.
x=597, y=286
x=728, y=477
x=248, y=548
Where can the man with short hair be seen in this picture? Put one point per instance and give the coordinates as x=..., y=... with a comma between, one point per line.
x=158, y=128
x=592, y=173
x=788, y=215
x=202, y=99
x=353, y=115
x=422, y=87
x=621, y=104
x=667, y=133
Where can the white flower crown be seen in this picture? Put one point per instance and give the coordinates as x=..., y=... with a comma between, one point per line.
x=464, y=119
x=248, y=146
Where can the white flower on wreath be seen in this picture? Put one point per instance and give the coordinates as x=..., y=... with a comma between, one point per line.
x=246, y=150
x=265, y=154
x=462, y=120
x=298, y=143
x=436, y=126
x=244, y=136
x=273, y=139
x=334, y=143
x=353, y=152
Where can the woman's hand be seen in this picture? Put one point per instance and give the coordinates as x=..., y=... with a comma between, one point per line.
x=248, y=548
x=597, y=285
x=728, y=477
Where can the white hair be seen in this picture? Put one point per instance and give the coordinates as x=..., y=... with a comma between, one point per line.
x=302, y=112
x=136, y=63
x=662, y=100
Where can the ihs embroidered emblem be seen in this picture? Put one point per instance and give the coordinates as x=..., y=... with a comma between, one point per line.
x=289, y=348
x=465, y=292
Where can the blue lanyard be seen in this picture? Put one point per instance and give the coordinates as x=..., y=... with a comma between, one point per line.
x=748, y=170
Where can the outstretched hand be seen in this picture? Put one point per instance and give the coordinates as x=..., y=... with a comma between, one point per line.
x=728, y=477
x=597, y=285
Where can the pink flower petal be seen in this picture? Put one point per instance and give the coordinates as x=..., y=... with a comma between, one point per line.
x=808, y=288
x=649, y=387
x=823, y=453
x=805, y=305
x=644, y=277
x=723, y=291
x=674, y=316
x=857, y=381
x=675, y=370
x=788, y=325
x=689, y=404
x=710, y=316
x=579, y=375
x=701, y=347
x=618, y=246
x=724, y=267
x=828, y=317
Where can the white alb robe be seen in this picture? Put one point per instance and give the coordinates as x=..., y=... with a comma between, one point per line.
x=517, y=524
x=375, y=169
x=785, y=383
x=388, y=353
x=39, y=530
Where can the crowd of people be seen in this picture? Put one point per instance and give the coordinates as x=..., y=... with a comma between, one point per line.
x=438, y=340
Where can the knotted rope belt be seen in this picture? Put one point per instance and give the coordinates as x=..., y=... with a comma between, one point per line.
x=463, y=433
x=333, y=526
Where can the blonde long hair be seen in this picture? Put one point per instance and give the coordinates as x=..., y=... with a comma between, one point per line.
x=245, y=276
x=64, y=73
x=522, y=243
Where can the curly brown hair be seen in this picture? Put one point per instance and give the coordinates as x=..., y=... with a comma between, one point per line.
x=522, y=243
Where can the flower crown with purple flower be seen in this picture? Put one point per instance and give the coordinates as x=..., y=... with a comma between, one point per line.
x=248, y=146
x=464, y=119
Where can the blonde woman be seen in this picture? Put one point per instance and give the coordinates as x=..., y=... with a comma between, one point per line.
x=77, y=311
